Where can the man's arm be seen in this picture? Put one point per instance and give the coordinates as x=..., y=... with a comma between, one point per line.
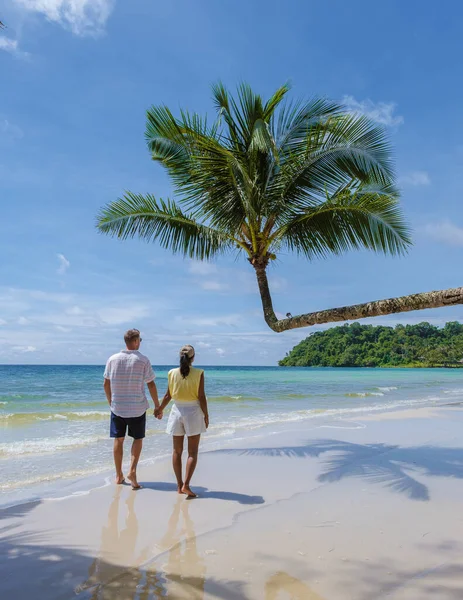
x=203, y=400
x=149, y=379
x=153, y=393
x=107, y=390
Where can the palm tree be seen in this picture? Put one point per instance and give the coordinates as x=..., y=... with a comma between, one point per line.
x=269, y=176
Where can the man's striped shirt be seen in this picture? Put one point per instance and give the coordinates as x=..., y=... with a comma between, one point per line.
x=128, y=371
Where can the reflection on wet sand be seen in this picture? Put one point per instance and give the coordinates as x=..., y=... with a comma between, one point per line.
x=296, y=590
x=123, y=581
x=183, y=574
x=184, y=570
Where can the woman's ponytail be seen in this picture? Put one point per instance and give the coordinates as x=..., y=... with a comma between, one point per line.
x=187, y=354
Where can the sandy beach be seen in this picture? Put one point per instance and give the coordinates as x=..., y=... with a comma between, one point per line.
x=363, y=510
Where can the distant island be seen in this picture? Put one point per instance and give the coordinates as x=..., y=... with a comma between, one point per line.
x=422, y=345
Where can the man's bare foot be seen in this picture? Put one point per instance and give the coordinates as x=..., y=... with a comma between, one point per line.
x=180, y=488
x=187, y=490
x=132, y=477
x=120, y=479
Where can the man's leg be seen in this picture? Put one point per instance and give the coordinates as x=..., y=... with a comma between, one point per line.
x=137, y=446
x=117, y=431
x=177, y=460
x=193, y=447
x=118, y=452
x=137, y=427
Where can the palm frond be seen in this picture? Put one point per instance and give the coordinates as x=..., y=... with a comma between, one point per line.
x=262, y=140
x=224, y=111
x=335, y=152
x=274, y=101
x=297, y=118
x=135, y=215
x=351, y=219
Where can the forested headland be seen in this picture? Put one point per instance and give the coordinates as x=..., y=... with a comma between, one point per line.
x=355, y=345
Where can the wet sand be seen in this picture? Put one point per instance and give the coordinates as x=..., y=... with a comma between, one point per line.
x=360, y=510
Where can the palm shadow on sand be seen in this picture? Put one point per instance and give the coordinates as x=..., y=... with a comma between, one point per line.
x=389, y=465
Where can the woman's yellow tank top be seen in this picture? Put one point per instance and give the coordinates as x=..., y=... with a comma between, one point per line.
x=184, y=389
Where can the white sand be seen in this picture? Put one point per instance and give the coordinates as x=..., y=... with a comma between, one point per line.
x=359, y=512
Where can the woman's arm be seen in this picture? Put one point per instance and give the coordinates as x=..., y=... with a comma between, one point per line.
x=203, y=400
x=165, y=401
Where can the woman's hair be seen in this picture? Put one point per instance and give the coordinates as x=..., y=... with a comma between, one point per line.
x=187, y=354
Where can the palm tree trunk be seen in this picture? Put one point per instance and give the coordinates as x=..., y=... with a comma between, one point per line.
x=269, y=314
x=376, y=308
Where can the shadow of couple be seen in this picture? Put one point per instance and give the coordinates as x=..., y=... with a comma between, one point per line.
x=204, y=493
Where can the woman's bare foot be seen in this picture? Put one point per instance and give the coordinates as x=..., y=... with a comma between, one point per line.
x=187, y=490
x=132, y=477
x=120, y=479
x=180, y=488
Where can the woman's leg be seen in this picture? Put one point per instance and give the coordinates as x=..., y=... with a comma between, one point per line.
x=193, y=446
x=177, y=460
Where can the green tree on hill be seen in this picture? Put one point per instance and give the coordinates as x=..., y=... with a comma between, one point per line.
x=367, y=346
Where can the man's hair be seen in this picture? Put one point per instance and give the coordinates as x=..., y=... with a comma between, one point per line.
x=131, y=335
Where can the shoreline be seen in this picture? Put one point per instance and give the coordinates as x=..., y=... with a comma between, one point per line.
x=309, y=419
x=400, y=481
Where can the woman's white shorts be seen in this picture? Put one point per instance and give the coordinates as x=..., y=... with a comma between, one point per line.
x=186, y=418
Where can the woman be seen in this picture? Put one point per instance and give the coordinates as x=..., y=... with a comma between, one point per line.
x=188, y=416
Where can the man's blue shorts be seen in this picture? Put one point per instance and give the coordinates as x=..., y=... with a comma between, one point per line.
x=135, y=425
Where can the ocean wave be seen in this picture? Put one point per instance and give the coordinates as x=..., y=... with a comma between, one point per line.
x=46, y=445
x=234, y=399
x=73, y=404
x=15, y=397
x=258, y=421
x=12, y=419
x=50, y=477
x=363, y=394
x=389, y=388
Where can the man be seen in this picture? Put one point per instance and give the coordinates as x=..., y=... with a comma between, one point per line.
x=125, y=376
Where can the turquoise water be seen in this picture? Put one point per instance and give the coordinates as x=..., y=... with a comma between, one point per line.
x=54, y=419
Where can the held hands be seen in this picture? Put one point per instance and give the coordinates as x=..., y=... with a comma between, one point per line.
x=158, y=413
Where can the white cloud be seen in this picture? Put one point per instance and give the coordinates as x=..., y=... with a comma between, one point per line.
x=445, y=232
x=74, y=311
x=209, y=321
x=415, y=178
x=120, y=314
x=201, y=268
x=8, y=45
x=24, y=348
x=23, y=321
x=203, y=345
x=220, y=351
x=82, y=17
x=48, y=296
x=214, y=286
x=381, y=112
x=11, y=46
x=2, y=322
x=63, y=329
x=8, y=129
x=64, y=264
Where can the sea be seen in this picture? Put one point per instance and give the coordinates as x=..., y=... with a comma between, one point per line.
x=54, y=420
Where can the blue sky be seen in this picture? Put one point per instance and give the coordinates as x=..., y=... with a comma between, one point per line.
x=76, y=79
